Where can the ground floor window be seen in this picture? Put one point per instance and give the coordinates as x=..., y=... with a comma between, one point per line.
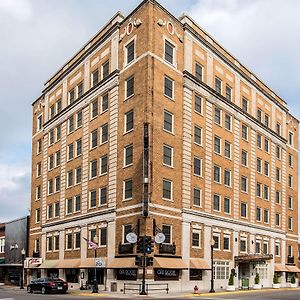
x=99, y=275
x=221, y=270
x=52, y=273
x=262, y=270
x=126, y=274
x=166, y=274
x=289, y=276
x=195, y=274
x=72, y=275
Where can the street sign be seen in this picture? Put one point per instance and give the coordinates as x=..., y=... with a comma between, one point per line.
x=100, y=263
x=131, y=237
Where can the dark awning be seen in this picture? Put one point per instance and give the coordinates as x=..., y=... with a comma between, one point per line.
x=249, y=258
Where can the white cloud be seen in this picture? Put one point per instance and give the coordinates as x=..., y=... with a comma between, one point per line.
x=19, y=9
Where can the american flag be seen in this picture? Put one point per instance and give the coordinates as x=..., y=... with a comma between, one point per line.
x=91, y=244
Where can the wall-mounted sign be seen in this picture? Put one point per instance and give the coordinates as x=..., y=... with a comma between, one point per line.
x=100, y=263
x=166, y=274
x=126, y=274
x=32, y=262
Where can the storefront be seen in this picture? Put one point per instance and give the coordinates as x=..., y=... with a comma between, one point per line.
x=197, y=268
x=167, y=268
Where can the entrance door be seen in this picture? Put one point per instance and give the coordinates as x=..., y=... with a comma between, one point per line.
x=99, y=275
x=244, y=275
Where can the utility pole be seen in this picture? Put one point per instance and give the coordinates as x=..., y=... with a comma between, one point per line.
x=143, y=291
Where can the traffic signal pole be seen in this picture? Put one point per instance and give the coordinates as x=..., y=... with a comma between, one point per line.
x=143, y=291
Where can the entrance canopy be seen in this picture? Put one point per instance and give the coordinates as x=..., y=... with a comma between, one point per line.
x=169, y=263
x=250, y=258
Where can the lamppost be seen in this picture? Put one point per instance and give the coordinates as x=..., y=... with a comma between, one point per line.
x=212, y=244
x=95, y=285
x=22, y=274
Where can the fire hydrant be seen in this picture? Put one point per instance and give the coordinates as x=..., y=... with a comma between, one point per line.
x=196, y=290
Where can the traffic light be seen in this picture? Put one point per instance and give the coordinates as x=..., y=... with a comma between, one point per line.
x=149, y=244
x=140, y=245
x=138, y=261
x=149, y=261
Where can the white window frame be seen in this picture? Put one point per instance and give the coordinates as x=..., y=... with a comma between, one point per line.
x=172, y=155
x=124, y=184
x=174, y=63
x=173, y=87
x=172, y=115
x=196, y=231
x=125, y=50
x=171, y=192
x=200, y=193
x=124, y=156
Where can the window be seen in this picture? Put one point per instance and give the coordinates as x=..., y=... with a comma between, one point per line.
x=104, y=103
x=258, y=165
x=278, y=197
x=278, y=174
x=198, y=104
x=51, y=137
x=169, y=87
x=167, y=231
x=278, y=129
x=266, y=168
x=278, y=152
x=39, y=146
x=70, y=178
x=79, y=89
x=168, y=156
x=199, y=71
x=37, y=215
x=290, y=180
x=130, y=52
x=70, y=151
x=218, y=85
x=77, y=240
x=244, y=158
x=277, y=249
x=56, y=242
x=244, y=210
x=38, y=169
x=93, y=168
x=259, y=115
x=290, y=250
x=291, y=138
x=267, y=142
x=228, y=92
x=39, y=122
x=94, y=109
x=227, y=178
x=129, y=121
x=71, y=96
x=57, y=158
x=128, y=155
x=58, y=133
x=244, y=184
x=38, y=193
x=104, y=133
x=78, y=175
x=228, y=122
x=79, y=119
x=266, y=216
x=103, y=165
x=217, y=145
x=290, y=202
x=77, y=203
x=52, y=111
x=267, y=121
x=126, y=229
x=127, y=186
x=277, y=219
x=94, y=139
x=129, y=87
x=69, y=241
x=258, y=189
x=245, y=132
x=217, y=202
x=290, y=223
x=195, y=274
x=103, y=236
x=227, y=150
x=168, y=121
x=169, y=52
x=217, y=117
x=258, y=214
x=69, y=206
x=78, y=147
x=71, y=124
x=266, y=192
x=103, y=195
x=197, y=166
x=226, y=243
x=51, y=162
x=221, y=270
x=58, y=106
x=196, y=239
x=227, y=205
x=259, y=141
x=198, y=135
x=257, y=247
x=57, y=183
x=93, y=201
x=50, y=211
x=290, y=160
x=49, y=243
x=105, y=69
x=243, y=245
x=197, y=197
x=217, y=174
x=216, y=238
x=244, y=105
x=167, y=189
x=95, y=77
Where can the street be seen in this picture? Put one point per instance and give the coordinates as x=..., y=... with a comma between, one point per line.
x=6, y=294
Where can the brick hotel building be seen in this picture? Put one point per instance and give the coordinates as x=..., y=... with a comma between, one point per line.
x=222, y=160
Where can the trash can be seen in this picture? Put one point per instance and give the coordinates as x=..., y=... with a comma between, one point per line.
x=113, y=287
x=245, y=283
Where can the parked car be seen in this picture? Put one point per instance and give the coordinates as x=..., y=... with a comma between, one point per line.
x=47, y=285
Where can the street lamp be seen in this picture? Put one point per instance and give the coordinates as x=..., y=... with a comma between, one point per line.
x=23, y=252
x=212, y=244
x=95, y=285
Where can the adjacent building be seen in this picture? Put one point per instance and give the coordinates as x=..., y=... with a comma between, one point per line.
x=154, y=127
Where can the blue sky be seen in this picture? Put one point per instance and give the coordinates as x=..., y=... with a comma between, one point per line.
x=38, y=36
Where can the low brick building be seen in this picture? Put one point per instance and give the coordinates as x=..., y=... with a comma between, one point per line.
x=151, y=123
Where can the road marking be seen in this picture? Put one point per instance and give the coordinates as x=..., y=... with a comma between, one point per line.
x=7, y=299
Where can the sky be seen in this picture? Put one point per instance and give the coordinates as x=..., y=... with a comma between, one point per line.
x=39, y=36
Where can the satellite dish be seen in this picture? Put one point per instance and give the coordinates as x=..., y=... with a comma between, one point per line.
x=160, y=238
x=131, y=237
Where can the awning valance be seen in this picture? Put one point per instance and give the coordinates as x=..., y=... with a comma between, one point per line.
x=293, y=269
x=197, y=263
x=253, y=258
x=49, y=264
x=280, y=268
x=169, y=263
x=122, y=263
x=68, y=264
